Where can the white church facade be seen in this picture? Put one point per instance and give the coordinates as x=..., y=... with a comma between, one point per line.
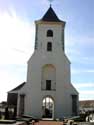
x=48, y=92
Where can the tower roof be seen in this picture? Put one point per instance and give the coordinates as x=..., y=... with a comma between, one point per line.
x=50, y=16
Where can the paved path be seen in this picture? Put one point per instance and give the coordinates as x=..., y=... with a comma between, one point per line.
x=48, y=123
x=58, y=123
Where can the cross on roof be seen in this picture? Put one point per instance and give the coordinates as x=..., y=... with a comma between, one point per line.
x=50, y=1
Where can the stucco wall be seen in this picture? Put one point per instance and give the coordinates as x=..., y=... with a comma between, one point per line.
x=57, y=58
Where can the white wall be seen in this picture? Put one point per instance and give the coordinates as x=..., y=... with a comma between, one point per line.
x=34, y=94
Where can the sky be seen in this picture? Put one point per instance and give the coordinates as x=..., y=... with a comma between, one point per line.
x=17, y=38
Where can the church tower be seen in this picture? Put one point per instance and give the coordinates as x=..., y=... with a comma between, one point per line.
x=48, y=92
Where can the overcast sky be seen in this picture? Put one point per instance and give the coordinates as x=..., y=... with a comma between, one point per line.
x=17, y=34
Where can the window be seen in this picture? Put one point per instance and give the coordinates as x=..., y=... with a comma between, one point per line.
x=49, y=33
x=48, y=84
x=22, y=97
x=74, y=105
x=48, y=73
x=49, y=46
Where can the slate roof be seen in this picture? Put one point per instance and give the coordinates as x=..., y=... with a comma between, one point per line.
x=19, y=87
x=51, y=16
x=87, y=103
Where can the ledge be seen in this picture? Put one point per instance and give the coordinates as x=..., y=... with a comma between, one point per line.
x=7, y=121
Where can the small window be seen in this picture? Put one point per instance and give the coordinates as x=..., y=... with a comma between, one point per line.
x=49, y=33
x=49, y=46
x=48, y=84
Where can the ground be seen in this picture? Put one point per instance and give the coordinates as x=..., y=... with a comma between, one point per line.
x=48, y=123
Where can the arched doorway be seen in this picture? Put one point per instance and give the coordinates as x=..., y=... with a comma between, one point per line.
x=48, y=107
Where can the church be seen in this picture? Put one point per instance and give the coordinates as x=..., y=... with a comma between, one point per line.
x=47, y=92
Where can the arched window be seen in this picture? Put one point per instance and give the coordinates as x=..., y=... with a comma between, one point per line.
x=49, y=46
x=48, y=82
x=49, y=33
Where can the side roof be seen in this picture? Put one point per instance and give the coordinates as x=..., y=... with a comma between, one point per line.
x=18, y=87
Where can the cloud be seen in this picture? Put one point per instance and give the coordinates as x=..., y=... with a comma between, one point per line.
x=16, y=47
x=88, y=92
x=85, y=60
x=75, y=44
x=86, y=95
x=15, y=34
x=85, y=90
x=84, y=85
x=78, y=71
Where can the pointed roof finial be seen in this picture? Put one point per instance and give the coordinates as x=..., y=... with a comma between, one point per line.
x=50, y=5
x=50, y=1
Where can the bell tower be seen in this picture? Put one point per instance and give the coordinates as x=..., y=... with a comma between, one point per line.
x=48, y=92
x=49, y=32
x=48, y=77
